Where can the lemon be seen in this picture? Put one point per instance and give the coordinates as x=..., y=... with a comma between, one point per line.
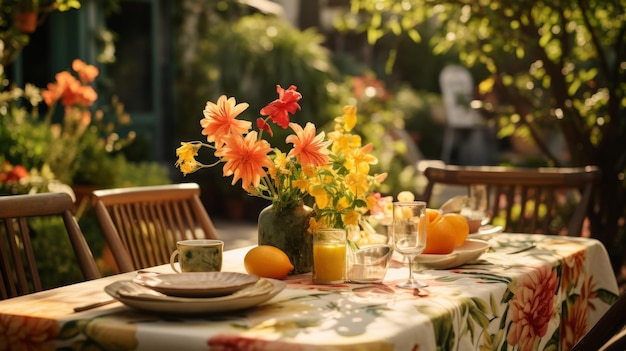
x=406, y=196
x=268, y=262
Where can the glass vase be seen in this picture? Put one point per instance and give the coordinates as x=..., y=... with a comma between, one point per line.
x=287, y=230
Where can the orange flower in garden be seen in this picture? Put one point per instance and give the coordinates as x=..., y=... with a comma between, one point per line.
x=70, y=90
x=245, y=158
x=220, y=120
x=87, y=73
x=287, y=102
x=308, y=148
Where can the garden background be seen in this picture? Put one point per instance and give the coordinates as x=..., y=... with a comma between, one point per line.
x=543, y=72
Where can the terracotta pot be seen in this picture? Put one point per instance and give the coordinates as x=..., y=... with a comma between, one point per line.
x=26, y=21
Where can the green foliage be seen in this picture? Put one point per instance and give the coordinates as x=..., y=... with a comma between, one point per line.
x=249, y=56
x=555, y=66
x=397, y=122
x=56, y=260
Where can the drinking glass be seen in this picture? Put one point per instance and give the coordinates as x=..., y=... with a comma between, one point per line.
x=409, y=235
x=479, y=203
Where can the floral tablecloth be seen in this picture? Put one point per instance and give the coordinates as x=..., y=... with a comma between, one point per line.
x=540, y=299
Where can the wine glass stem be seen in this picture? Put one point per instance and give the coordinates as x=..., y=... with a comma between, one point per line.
x=410, y=258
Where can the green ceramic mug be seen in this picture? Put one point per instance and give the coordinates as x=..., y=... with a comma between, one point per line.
x=198, y=255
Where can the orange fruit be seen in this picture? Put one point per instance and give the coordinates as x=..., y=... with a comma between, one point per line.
x=433, y=215
x=445, y=232
x=460, y=228
x=268, y=262
x=440, y=238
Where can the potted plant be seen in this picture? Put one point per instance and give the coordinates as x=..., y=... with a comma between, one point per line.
x=25, y=17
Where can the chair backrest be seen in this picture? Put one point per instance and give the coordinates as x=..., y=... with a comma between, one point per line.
x=608, y=333
x=528, y=200
x=19, y=273
x=142, y=224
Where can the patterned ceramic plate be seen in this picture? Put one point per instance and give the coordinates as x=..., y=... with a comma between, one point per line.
x=142, y=298
x=196, y=284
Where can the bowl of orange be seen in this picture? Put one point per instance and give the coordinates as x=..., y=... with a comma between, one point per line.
x=447, y=243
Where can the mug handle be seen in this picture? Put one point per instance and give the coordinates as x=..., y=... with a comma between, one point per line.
x=173, y=260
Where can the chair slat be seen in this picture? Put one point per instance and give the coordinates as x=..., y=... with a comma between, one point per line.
x=31, y=262
x=169, y=239
x=159, y=232
x=9, y=288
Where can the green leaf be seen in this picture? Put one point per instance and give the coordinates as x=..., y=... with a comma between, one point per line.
x=573, y=87
x=414, y=35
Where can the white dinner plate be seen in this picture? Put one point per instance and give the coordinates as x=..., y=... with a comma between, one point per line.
x=196, y=284
x=486, y=232
x=468, y=252
x=146, y=299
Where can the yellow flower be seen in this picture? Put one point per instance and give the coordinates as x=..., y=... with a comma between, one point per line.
x=189, y=166
x=186, y=157
x=342, y=204
x=302, y=184
x=371, y=201
x=349, y=115
x=351, y=218
x=187, y=151
x=320, y=195
x=357, y=183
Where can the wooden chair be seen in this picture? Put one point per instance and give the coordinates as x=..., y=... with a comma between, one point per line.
x=19, y=273
x=537, y=200
x=142, y=224
x=609, y=333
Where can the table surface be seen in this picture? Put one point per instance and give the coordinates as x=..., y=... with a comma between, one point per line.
x=539, y=299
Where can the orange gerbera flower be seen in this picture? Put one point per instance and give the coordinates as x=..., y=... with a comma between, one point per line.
x=220, y=120
x=245, y=158
x=287, y=102
x=308, y=148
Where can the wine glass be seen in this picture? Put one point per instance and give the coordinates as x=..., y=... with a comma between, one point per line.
x=479, y=203
x=409, y=235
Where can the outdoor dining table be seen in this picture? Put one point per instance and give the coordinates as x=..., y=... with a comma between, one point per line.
x=543, y=298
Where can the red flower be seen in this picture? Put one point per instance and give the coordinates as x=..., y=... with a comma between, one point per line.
x=13, y=174
x=262, y=125
x=287, y=102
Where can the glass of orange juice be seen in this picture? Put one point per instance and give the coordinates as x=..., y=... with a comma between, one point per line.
x=329, y=256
